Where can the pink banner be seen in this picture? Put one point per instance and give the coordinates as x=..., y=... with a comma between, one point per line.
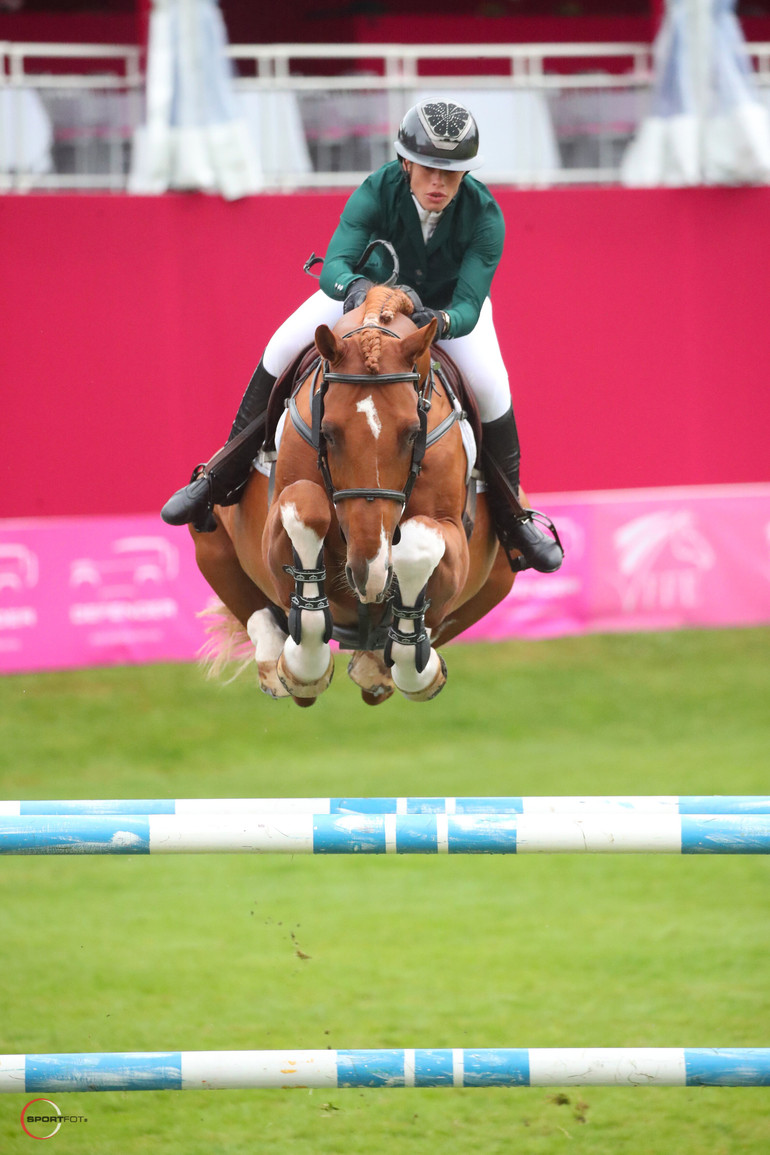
x=116, y=590
x=646, y=559
x=97, y=591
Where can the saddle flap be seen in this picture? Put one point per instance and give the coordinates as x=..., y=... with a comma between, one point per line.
x=463, y=392
x=282, y=390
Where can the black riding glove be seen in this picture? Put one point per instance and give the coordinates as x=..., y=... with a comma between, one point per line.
x=423, y=316
x=416, y=302
x=355, y=293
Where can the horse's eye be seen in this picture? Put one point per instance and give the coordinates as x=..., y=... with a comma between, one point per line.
x=412, y=436
x=328, y=434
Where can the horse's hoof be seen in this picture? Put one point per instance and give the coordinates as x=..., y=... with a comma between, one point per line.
x=431, y=690
x=304, y=693
x=269, y=682
x=369, y=672
x=373, y=699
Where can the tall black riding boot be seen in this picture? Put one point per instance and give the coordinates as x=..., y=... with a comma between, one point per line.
x=219, y=481
x=515, y=526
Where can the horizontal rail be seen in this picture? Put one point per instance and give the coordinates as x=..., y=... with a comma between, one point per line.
x=496, y=51
x=359, y=82
x=66, y=51
x=440, y=1067
x=300, y=833
x=481, y=804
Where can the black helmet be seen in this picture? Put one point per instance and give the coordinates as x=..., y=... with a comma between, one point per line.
x=439, y=134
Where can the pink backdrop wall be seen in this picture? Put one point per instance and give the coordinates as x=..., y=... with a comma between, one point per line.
x=95, y=591
x=634, y=324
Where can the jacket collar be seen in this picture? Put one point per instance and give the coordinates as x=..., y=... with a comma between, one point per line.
x=413, y=228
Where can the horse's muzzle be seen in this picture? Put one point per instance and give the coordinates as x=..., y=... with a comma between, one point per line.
x=370, y=586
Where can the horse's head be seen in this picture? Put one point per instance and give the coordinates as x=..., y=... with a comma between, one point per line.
x=371, y=426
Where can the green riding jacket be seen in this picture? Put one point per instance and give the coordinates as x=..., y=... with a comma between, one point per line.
x=452, y=272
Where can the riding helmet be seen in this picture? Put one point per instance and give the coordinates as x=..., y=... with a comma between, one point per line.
x=440, y=134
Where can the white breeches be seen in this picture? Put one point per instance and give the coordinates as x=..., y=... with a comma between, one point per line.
x=477, y=354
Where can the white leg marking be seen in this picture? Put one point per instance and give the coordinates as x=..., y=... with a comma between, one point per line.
x=306, y=541
x=415, y=558
x=309, y=660
x=268, y=639
x=369, y=410
x=267, y=636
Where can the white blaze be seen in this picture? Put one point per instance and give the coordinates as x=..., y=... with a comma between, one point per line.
x=369, y=410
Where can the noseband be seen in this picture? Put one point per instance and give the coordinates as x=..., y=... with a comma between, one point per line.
x=323, y=377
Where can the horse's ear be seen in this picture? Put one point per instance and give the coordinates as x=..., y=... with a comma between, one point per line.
x=328, y=345
x=415, y=344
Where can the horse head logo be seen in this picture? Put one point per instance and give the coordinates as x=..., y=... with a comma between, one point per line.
x=661, y=557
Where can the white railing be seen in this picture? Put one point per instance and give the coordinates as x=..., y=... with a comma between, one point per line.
x=69, y=128
x=548, y=113
x=326, y=115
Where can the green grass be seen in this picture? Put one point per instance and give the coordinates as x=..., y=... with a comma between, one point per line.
x=201, y=952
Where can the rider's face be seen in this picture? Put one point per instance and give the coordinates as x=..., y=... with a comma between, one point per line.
x=433, y=187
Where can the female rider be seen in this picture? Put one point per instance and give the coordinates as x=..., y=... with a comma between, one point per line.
x=447, y=231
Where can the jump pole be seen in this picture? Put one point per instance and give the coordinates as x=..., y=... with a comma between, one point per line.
x=575, y=804
x=483, y=1067
x=299, y=833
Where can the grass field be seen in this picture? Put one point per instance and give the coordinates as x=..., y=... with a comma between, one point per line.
x=221, y=951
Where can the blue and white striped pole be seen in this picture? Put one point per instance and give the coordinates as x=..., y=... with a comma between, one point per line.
x=576, y=804
x=482, y=1067
x=299, y=833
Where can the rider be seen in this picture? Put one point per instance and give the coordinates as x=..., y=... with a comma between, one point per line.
x=447, y=231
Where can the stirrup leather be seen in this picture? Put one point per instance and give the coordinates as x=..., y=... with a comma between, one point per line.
x=204, y=522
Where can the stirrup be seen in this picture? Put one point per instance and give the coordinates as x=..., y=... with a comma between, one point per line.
x=541, y=521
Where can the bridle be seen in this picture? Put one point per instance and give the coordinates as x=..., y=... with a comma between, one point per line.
x=323, y=376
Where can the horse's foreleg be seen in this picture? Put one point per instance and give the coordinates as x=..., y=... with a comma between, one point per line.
x=306, y=664
x=418, y=671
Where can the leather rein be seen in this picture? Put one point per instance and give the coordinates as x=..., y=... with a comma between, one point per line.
x=313, y=434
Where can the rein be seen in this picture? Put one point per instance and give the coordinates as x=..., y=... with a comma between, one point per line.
x=323, y=377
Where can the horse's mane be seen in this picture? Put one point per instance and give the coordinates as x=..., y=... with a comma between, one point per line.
x=381, y=306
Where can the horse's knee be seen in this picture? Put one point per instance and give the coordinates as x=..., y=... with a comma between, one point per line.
x=304, y=510
x=417, y=555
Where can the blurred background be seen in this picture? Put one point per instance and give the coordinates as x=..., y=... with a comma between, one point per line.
x=166, y=169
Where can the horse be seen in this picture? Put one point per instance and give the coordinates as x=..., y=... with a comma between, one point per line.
x=361, y=533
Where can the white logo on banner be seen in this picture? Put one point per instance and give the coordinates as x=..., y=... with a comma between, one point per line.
x=134, y=562
x=19, y=569
x=19, y=572
x=661, y=559
x=119, y=583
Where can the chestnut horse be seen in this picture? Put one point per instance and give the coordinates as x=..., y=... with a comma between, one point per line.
x=359, y=535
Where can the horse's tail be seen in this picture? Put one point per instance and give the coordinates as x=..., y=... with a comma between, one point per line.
x=226, y=642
